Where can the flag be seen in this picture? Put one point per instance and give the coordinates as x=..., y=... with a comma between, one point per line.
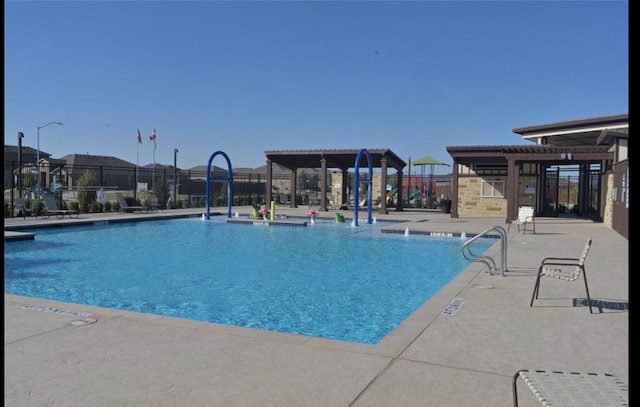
x=139, y=137
x=152, y=137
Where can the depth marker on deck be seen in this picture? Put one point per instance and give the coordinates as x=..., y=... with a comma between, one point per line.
x=56, y=310
x=453, y=306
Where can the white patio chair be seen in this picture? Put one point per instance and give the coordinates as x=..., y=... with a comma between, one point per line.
x=563, y=268
x=559, y=388
x=525, y=217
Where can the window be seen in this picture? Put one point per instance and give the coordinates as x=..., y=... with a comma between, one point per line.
x=493, y=189
x=528, y=169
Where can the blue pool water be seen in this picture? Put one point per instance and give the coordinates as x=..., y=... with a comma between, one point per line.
x=328, y=279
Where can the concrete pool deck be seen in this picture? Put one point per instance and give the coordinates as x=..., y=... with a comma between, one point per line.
x=64, y=354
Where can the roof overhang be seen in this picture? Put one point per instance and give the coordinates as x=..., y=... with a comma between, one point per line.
x=574, y=132
x=342, y=159
x=607, y=135
x=549, y=155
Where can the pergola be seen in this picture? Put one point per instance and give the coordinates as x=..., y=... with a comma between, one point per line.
x=338, y=159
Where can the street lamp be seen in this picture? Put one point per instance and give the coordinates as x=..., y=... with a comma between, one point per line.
x=20, y=137
x=175, y=178
x=38, y=152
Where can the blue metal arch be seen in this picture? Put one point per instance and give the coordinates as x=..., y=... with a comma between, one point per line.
x=356, y=186
x=229, y=179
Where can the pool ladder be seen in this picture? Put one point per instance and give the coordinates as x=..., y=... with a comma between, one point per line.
x=469, y=255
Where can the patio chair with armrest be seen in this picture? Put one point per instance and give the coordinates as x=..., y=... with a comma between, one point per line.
x=525, y=217
x=20, y=204
x=51, y=208
x=563, y=268
x=571, y=388
x=151, y=203
x=284, y=201
x=125, y=207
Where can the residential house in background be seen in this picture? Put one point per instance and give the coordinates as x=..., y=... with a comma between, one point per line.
x=109, y=172
x=12, y=163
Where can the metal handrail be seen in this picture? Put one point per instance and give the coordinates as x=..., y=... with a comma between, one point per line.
x=469, y=255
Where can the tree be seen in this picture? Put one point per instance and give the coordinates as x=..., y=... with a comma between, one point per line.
x=28, y=180
x=86, y=197
x=160, y=190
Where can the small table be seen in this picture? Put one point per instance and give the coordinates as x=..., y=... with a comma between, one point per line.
x=556, y=388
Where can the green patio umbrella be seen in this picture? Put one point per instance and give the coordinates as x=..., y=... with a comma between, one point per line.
x=428, y=161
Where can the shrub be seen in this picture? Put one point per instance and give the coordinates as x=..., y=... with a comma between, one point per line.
x=94, y=207
x=38, y=207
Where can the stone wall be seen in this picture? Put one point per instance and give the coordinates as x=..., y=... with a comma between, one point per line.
x=472, y=203
x=336, y=189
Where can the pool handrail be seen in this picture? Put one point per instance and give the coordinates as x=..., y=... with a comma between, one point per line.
x=469, y=255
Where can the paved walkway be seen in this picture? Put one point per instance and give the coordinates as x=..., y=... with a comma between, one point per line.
x=117, y=358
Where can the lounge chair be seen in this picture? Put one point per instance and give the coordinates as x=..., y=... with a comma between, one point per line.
x=20, y=204
x=525, y=217
x=558, y=388
x=125, y=207
x=563, y=268
x=51, y=208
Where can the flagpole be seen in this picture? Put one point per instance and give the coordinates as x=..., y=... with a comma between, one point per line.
x=153, y=169
x=138, y=142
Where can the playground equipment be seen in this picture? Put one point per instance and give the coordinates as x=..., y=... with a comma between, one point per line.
x=415, y=195
x=392, y=193
x=255, y=213
x=228, y=178
x=264, y=212
x=431, y=162
x=357, y=182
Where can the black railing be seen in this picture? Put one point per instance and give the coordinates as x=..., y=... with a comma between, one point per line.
x=69, y=182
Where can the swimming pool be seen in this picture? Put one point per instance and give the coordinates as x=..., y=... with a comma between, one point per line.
x=327, y=279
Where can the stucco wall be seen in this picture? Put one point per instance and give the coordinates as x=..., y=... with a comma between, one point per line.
x=607, y=217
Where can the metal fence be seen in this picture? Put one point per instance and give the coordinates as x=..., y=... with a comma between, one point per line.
x=69, y=183
x=76, y=186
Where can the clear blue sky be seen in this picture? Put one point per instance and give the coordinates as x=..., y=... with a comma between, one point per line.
x=245, y=77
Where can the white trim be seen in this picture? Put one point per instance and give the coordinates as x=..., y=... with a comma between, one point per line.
x=565, y=132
